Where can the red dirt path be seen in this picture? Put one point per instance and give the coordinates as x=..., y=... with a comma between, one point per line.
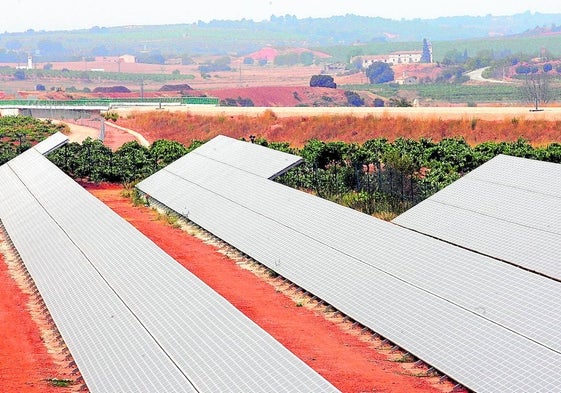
x=346, y=360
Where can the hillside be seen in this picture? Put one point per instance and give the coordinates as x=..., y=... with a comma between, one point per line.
x=155, y=44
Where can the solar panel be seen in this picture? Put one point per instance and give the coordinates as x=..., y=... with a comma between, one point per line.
x=464, y=313
x=246, y=156
x=105, y=339
x=52, y=143
x=509, y=209
x=132, y=317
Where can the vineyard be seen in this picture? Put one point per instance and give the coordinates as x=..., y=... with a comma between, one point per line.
x=452, y=93
x=96, y=75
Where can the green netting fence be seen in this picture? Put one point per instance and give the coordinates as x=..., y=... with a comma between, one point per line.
x=107, y=102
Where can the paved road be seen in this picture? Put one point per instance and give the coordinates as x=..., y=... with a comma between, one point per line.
x=477, y=75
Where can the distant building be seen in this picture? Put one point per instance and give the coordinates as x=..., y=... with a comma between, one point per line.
x=174, y=61
x=28, y=66
x=127, y=59
x=401, y=57
x=407, y=80
x=116, y=59
x=334, y=68
x=398, y=57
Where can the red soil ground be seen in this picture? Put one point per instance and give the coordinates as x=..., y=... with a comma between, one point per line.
x=344, y=357
x=283, y=95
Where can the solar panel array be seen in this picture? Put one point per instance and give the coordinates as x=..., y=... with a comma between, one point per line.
x=133, y=318
x=486, y=324
x=508, y=208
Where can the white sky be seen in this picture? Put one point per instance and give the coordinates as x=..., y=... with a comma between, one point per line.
x=21, y=15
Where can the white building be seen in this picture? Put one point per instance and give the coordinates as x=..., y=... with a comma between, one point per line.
x=400, y=57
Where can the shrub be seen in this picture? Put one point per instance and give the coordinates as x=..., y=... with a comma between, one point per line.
x=111, y=89
x=245, y=102
x=354, y=99
x=179, y=87
x=323, y=81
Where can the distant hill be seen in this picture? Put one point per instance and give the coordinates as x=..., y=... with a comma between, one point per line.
x=156, y=44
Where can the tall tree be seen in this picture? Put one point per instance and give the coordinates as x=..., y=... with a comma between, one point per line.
x=426, y=57
x=536, y=89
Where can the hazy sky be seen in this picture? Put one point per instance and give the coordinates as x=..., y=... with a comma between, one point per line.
x=21, y=15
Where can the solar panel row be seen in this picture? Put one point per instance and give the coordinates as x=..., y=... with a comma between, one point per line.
x=132, y=317
x=509, y=208
x=248, y=157
x=486, y=324
x=51, y=143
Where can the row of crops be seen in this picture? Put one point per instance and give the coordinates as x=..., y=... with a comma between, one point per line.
x=449, y=92
x=97, y=75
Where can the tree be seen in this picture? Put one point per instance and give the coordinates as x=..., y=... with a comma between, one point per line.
x=426, y=57
x=354, y=99
x=536, y=89
x=322, y=81
x=19, y=75
x=379, y=72
x=164, y=152
x=307, y=58
x=400, y=102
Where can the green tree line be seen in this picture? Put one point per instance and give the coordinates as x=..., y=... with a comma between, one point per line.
x=376, y=177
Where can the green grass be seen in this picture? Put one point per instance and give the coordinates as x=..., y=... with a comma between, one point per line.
x=60, y=383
